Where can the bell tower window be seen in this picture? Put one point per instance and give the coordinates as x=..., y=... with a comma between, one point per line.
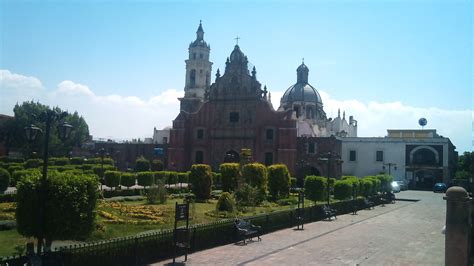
x=192, y=78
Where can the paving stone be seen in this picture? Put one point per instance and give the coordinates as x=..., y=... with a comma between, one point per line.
x=404, y=233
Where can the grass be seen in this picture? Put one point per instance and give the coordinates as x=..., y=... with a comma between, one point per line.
x=122, y=218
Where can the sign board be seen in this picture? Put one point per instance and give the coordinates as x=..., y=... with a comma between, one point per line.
x=182, y=212
x=159, y=151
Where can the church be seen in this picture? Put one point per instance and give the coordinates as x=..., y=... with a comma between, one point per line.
x=218, y=121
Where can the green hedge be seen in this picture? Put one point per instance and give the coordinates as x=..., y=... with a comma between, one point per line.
x=77, y=160
x=343, y=189
x=128, y=179
x=4, y=180
x=142, y=165
x=201, y=181
x=157, y=165
x=18, y=175
x=230, y=174
x=315, y=188
x=145, y=179
x=33, y=163
x=256, y=175
x=15, y=167
x=112, y=178
x=278, y=181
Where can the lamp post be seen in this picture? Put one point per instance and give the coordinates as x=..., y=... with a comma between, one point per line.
x=31, y=132
x=102, y=154
x=390, y=167
x=327, y=158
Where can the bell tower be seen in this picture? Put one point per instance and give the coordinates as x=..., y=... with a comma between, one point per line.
x=198, y=73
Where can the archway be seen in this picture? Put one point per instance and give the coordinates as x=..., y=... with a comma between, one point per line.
x=231, y=157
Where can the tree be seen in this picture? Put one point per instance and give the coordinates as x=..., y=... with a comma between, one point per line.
x=26, y=113
x=68, y=211
x=201, y=181
x=278, y=181
x=315, y=187
x=466, y=165
x=230, y=174
x=142, y=164
x=4, y=180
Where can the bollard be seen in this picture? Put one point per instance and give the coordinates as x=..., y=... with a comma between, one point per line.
x=458, y=227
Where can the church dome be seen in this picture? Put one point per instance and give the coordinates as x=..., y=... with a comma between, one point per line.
x=237, y=54
x=301, y=92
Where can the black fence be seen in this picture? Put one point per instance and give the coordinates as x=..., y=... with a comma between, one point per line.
x=152, y=247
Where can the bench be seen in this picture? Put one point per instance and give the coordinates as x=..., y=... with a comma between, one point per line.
x=329, y=212
x=368, y=204
x=299, y=218
x=246, y=230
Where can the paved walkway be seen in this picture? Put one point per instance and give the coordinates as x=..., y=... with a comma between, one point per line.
x=404, y=233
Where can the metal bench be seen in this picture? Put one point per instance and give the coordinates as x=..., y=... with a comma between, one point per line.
x=246, y=230
x=329, y=212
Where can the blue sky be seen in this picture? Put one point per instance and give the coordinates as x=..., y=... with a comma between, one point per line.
x=417, y=54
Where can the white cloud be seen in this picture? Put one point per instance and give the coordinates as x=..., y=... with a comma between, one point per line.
x=126, y=117
x=374, y=118
x=18, y=88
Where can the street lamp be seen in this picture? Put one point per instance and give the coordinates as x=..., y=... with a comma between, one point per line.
x=390, y=167
x=31, y=132
x=327, y=158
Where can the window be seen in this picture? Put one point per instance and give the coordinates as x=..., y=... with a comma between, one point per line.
x=200, y=133
x=311, y=147
x=200, y=56
x=297, y=110
x=194, y=55
x=165, y=140
x=268, y=158
x=309, y=113
x=199, y=157
x=234, y=117
x=352, y=156
x=192, y=78
x=379, y=156
x=269, y=134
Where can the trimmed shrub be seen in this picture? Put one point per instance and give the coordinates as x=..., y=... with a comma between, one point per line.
x=201, y=181
x=278, y=181
x=112, y=178
x=157, y=165
x=4, y=180
x=343, y=189
x=33, y=163
x=157, y=193
x=58, y=161
x=18, y=175
x=225, y=203
x=11, y=159
x=172, y=177
x=217, y=180
x=99, y=170
x=142, y=165
x=385, y=182
x=77, y=160
x=14, y=167
x=246, y=195
x=293, y=182
x=183, y=177
x=98, y=160
x=366, y=187
x=161, y=175
x=127, y=179
x=315, y=188
x=145, y=179
x=69, y=206
x=256, y=175
x=230, y=174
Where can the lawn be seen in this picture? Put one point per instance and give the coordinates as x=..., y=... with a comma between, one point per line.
x=125, y=218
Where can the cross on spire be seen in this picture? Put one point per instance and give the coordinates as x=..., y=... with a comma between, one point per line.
x=237, y=40
x=302, y=59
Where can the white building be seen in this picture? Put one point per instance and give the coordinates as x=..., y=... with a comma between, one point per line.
x=161, y=136
x=418, y=157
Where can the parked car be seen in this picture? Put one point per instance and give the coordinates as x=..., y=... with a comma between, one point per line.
x=440, y=187
x=402, y=185
x=395, y=187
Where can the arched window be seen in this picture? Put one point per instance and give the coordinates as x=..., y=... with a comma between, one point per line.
x=199, y=157
x=192, y=78
x=297, y=110
x=309, y=113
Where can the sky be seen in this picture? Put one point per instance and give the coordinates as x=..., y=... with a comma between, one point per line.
x=120, y=64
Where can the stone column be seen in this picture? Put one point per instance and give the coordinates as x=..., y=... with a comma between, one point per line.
x=458, y=226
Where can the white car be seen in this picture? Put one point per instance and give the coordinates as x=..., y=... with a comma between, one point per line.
x=395, y=187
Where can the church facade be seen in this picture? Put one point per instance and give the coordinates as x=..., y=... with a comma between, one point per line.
x=217, y=122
